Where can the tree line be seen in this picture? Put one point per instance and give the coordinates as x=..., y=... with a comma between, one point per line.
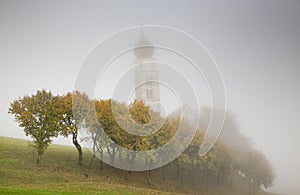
x=44, y=116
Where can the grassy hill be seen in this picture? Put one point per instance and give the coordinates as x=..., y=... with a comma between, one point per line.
x=59, y=173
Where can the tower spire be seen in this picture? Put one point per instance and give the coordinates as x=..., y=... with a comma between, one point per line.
x=142, y=29
x=144, y=47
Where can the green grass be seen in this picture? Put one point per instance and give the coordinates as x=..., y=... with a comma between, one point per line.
x=48, y=192
x=34, y=190
x=59, y=173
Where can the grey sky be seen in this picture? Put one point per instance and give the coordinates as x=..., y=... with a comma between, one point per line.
x=255, y=43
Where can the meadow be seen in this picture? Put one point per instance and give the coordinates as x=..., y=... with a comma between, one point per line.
x=59, y=173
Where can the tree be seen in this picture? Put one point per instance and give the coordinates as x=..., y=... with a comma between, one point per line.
x=106, y=119
x=37, y=115
x=193, y=154
x=258, y=171
x=70, y=115
x=140, y=112
x=113, y=116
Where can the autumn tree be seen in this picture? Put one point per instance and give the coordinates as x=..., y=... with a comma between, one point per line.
x=193, y=154
x=72, y=109
x=115, y=118
x=258, y=171
x=109, y=126
x=37, y=115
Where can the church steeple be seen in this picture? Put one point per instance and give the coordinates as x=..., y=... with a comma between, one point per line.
x=144, y=48
x=146, y=75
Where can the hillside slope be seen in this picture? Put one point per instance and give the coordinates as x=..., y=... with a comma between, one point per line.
x=59, y=173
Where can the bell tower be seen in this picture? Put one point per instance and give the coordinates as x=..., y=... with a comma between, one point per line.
x=146, y=74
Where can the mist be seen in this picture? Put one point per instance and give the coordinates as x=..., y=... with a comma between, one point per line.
x=255, y=44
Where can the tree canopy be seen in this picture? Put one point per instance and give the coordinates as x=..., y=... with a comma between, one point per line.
x=44, y=116
x=37, y=114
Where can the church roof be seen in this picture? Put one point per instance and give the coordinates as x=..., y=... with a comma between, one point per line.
x=143, y=48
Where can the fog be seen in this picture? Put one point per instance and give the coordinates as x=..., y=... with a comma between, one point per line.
x=256, y=45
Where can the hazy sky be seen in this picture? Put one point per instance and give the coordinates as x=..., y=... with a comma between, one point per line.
x=255, y=43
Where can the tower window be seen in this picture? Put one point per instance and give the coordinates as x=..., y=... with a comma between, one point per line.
x=149, y=93
x=148, y=78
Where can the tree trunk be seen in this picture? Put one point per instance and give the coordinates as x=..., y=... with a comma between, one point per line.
x=148, y=177
x=181, y=178
x=112, y=160
x=39, y=156
x=148, y=171
x=132, y=160
x=112, y=150
x=178, y=169
x=251, y=188
x=163, y=173
x=120, y=155
x=78, y=147
x=38, y=160
x=101, y=160
x=90, y=164
x=193, y=174
x=127, y=166
x=100, y=150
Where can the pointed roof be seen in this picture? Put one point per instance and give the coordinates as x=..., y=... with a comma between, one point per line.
x=143, y=48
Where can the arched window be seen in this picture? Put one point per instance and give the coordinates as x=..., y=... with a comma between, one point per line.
x=148, y=78
x=149, y=93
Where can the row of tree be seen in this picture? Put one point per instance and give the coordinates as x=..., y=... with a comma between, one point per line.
x=45, y=116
